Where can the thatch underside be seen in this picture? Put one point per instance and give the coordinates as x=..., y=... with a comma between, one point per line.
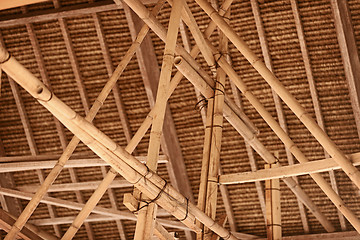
x=73, y=46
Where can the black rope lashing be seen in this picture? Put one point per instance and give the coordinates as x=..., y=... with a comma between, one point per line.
x=187, y=210
x=147, y=203
x=6, y=59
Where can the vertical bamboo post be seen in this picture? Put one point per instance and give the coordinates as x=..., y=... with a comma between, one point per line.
x=205, y=164
x=285, y=95
x=40, y=193
x=273, y=209
x=217, y=125
x=146, y=216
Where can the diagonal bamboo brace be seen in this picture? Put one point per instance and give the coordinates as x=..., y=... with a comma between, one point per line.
x=133, y=170
x=283, y=93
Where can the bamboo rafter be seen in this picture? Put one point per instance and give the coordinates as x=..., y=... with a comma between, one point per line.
x=334, y=197
x=135, y=172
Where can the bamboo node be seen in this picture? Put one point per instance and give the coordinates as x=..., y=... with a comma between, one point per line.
x=6, y=59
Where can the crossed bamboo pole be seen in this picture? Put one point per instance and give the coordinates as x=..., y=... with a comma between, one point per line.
x=146, y=215
x=285, y=95
x=124, y=163
x=318, y=133
x=235, y=115
x=40, y=193
x=152, y=22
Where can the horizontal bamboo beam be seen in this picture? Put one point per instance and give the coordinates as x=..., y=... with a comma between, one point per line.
x=350, y=235
x=287, y=171
x=6, y=4
x=78, y=186
x=103, y=218
x=63, y=12
x=75, y=163
x=97, y=210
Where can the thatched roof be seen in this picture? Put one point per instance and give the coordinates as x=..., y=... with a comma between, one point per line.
x=76, y=68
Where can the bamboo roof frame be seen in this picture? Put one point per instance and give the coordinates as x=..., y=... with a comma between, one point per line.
x=44, y=94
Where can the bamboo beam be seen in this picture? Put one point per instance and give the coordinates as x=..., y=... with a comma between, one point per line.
x=97, y=210
x=350, y=235
x=73, y=163
x=237, y=123
x=146, y=221
x=277, y=101
x=79, y=186
x=150, y=73
x=12, y=205
x=169, y=141
x=257, y=145
x=63, y=12
x=250, y=152
x=5, y=4
x=29, y=232
x=316, y=166
x=313, y=92
x=300, y=112
x=349, y=53
x=323, y=139
x=273, y=209
x=149, y=183
x=30, y=139
x=72, y=145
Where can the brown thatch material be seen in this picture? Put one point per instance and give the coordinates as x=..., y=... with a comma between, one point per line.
x=280, y=32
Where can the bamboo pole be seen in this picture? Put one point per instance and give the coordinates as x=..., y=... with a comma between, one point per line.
x=193, y=77
x=315, y=166
x=29, y=209
x=146, y=215
x=205, y=163
x=273, y=212
x=127, y=165
x=285, y=95
x=272, y=123
x=144, y=127
x=217, y=125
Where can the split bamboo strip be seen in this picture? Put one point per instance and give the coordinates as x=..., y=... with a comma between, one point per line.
x=29, y=209
x=285, y=95
x=193, y=77
x=273, y=212
x=148, y=182
x=146, y=215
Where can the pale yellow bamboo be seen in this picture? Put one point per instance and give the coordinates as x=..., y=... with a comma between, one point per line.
x=285, y=95
x=205, y=163
x=40, y=193
x=273, y=213
x=146, y=216
x=147, y=181
x=287, y=141
x=250, y=137
x=217, y=126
